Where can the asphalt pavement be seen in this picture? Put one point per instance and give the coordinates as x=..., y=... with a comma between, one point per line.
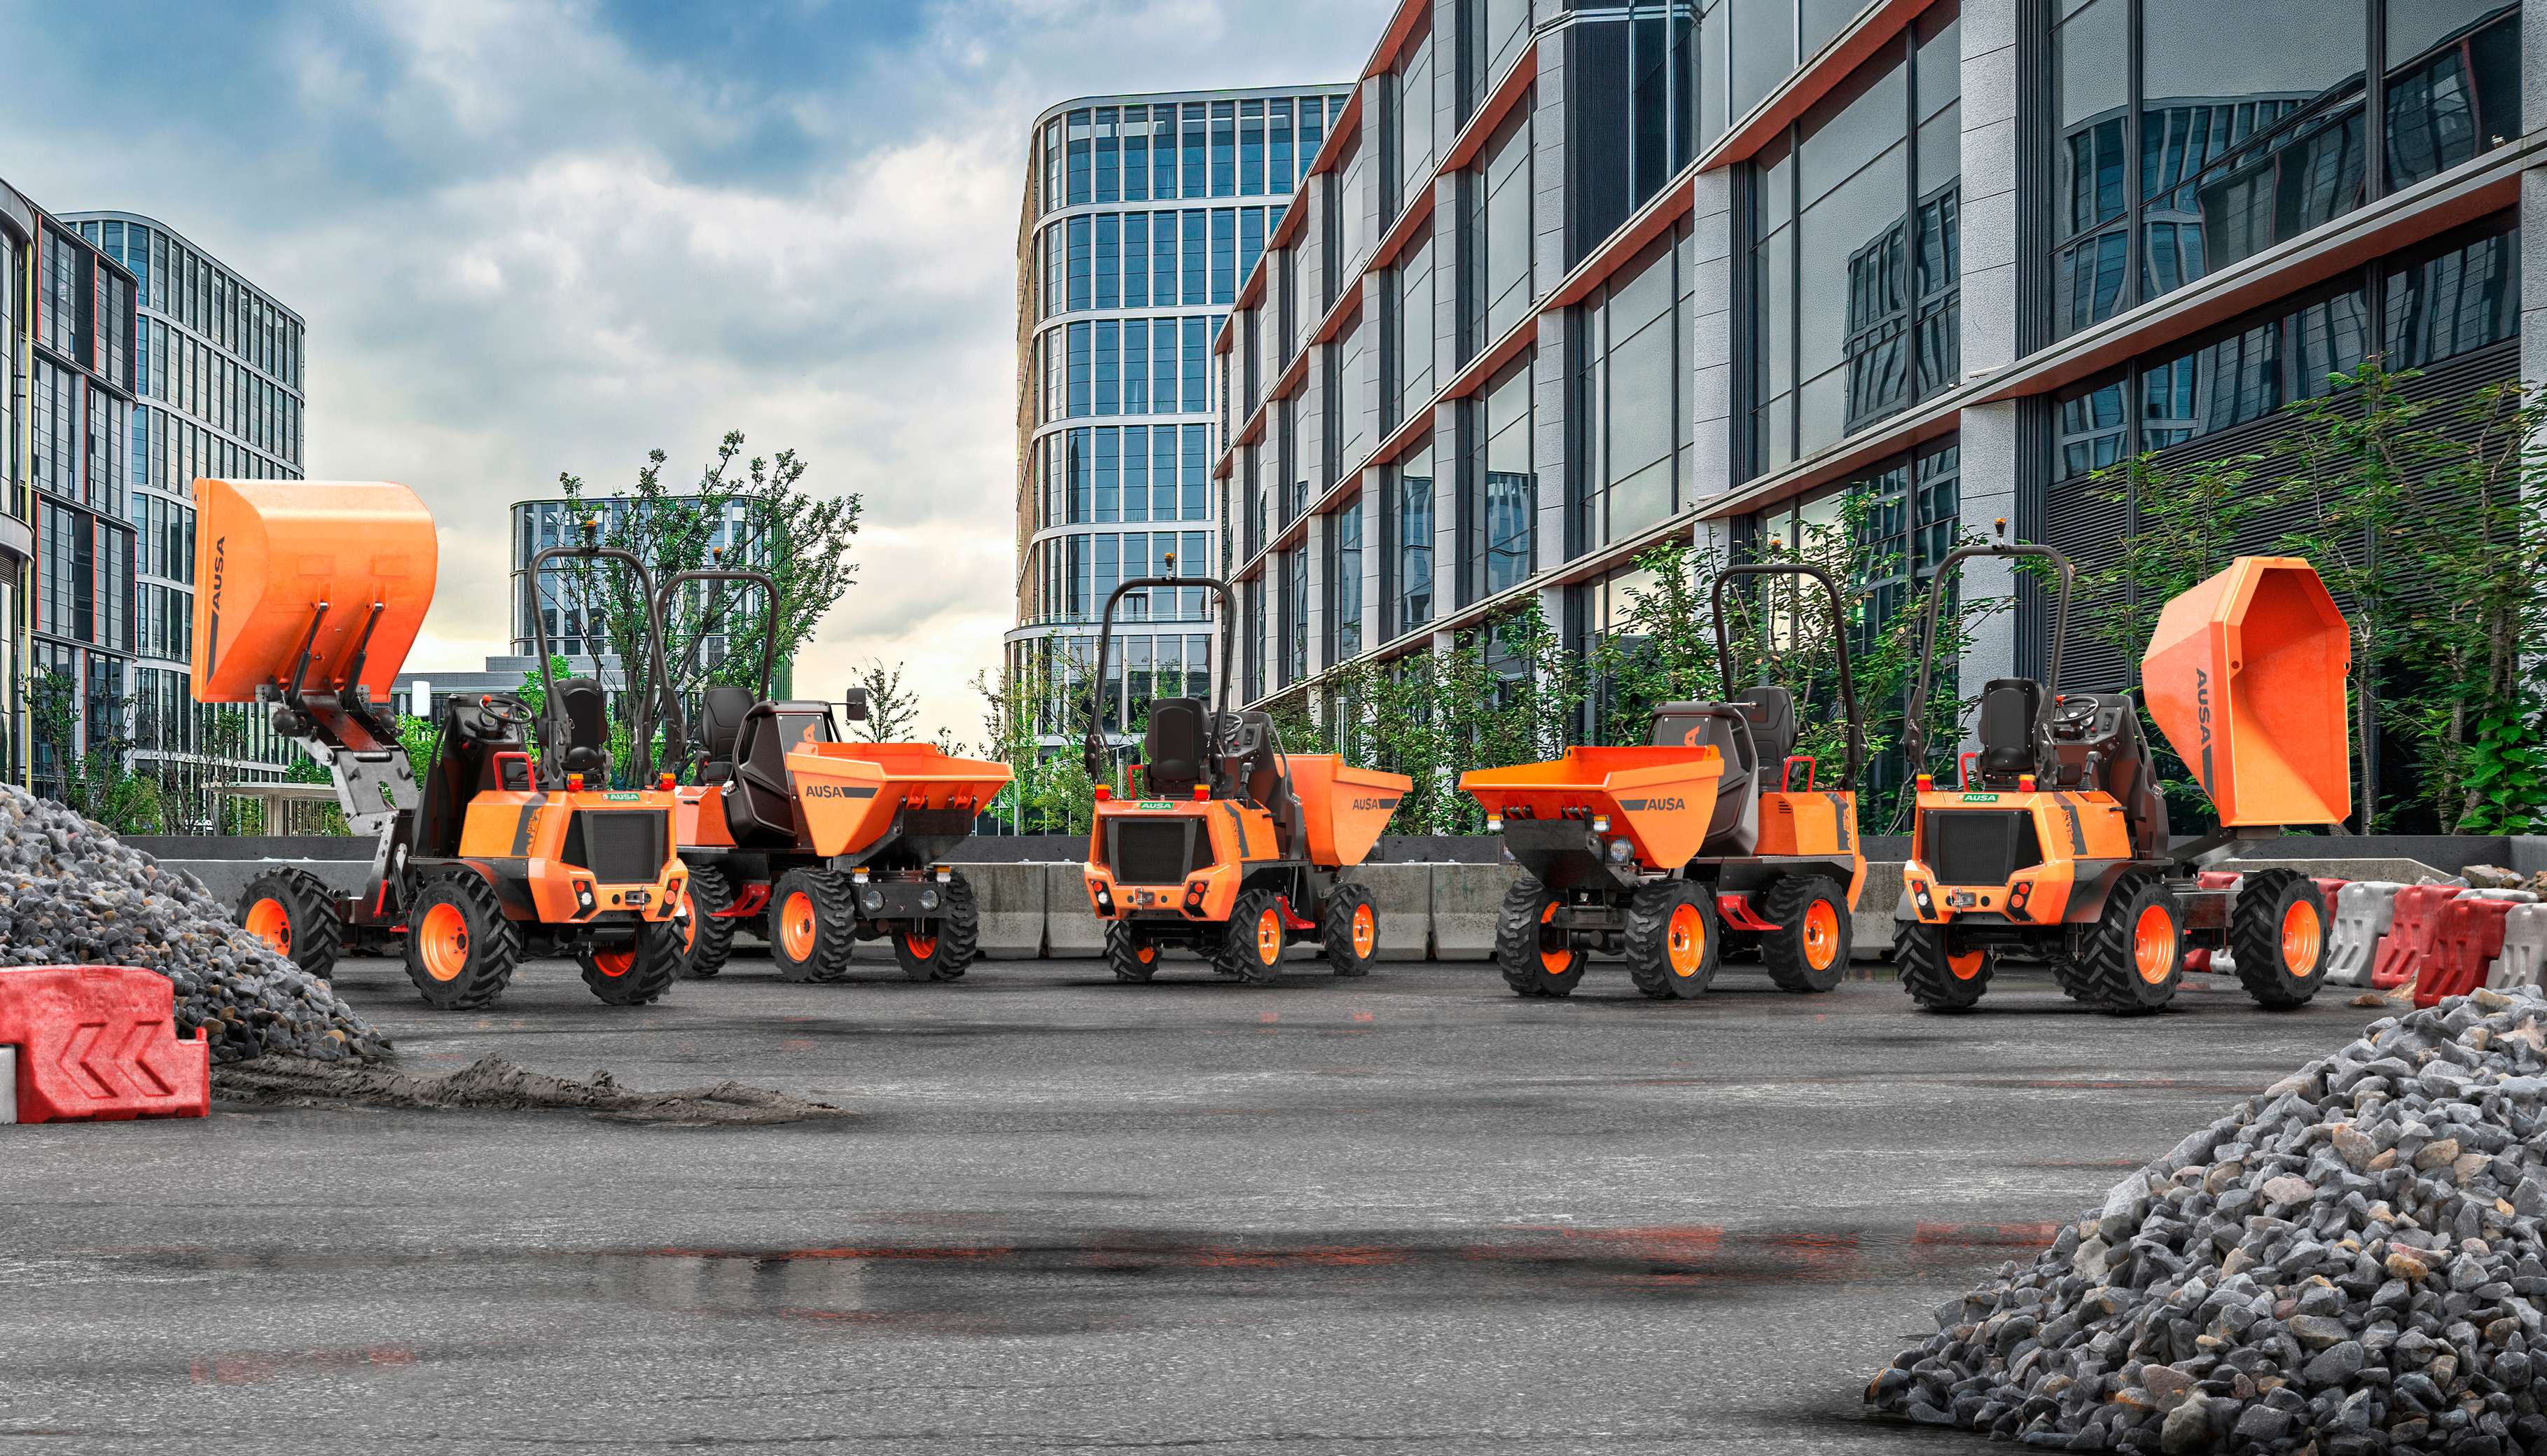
x=1410, y=1213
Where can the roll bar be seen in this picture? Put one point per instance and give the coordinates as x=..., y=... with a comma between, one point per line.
x=1092, y=747
x=1915, y=732
x=554, y=728
x=1839, y=643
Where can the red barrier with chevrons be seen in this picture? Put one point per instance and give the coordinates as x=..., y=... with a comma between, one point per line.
x=2465, y=940
x=99, y=1044
x=2409, y=941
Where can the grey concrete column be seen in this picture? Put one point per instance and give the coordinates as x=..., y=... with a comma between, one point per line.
x=1990, y=444
x=1990, y=198
x=1551, y=404
x=1548, y=165
x=2533, y=226
x=1711, y=333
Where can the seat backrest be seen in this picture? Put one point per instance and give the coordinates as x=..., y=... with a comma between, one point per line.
x=1735, y=826
x=2008, y=709
x=721, y=712
x=1177, y=746
x=587, y=717
x=760, y=800
x=1772, y=710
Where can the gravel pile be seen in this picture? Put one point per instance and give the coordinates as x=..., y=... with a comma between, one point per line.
x=76, y=896
x=2348, y=1262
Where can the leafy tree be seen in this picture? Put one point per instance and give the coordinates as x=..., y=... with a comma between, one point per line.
x=891, y=712
x=754, y=514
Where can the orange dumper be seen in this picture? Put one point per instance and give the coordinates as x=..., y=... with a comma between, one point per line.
x=822, y=843
x=2055, y=847
x=1234, y=849
x=317, y=590
x=1664, y=853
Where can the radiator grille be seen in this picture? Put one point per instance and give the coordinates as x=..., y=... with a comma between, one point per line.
x=1980, y=846
x=1149, y=851
x=620, y=846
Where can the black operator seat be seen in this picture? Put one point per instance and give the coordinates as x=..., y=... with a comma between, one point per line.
x=1177, y=747
x=1735, y=826
x=2098, y=743
x=2008, y=709
x=1772, y=713
x=588, y=719
x=1256, y=769
x=760, y=802
x=721, y=713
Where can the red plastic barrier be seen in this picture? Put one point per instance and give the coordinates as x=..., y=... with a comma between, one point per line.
x=2465, y=941
x=2410, y=935
x=98, y=1043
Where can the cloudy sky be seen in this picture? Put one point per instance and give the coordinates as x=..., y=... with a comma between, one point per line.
x=540, y=235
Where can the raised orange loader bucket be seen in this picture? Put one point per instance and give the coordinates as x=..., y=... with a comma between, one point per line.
x=269, y=551
x=1659, y=797
x=2246, y=676
x=848, y=791
x=1345, y=807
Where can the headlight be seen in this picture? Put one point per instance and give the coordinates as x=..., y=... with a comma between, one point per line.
x=929, y=900
x=1620, y=851
x=873, y=900
x=1599, y=823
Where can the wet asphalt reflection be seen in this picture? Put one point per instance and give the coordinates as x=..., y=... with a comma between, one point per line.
x=1407, y=1212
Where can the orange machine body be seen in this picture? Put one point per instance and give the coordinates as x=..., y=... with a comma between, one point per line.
x=1660, y=799
x=848, y=793
x=272, y=552
x=1234, y=836
x=532, y=829
x=2246, y=676
x=2078, y=836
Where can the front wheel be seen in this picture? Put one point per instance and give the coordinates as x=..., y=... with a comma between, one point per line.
x=1534, y=956
x=2134, y=957
x=1250, y=949
x=639, y=973
x=813, y=926
x=461, y=951
x=2278, y=936
x=1672, y=938
x=941, y=949
x=1127, y=955
x=294, y=914
x=1937, y=975
x=1809, y=951
x=1351, y=931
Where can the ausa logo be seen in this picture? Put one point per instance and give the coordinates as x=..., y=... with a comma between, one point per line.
x=1374, y=803
x=836, y=790
x=1652, y=806
x=2202, y=716
x=213, y=645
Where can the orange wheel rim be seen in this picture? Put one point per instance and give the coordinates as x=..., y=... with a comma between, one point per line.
x=1966, y=965
x=1269, y=937
x=921, y=947
x=2302, y=938
x=613, y=963
x=796, y=926
x=2154, y=944
x=1366, y=932
x=1554, y=961
x=1821, y=935
x=1145, y=954
x=1685, y=944
x=270, y=922
x=443, y=942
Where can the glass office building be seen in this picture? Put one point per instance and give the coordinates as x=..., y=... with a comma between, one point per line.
x=1143, y=218
x=1564, y=283
x=19, y=249
x=217, y=375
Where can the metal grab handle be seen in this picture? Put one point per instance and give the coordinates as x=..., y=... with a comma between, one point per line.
x=1787, y=773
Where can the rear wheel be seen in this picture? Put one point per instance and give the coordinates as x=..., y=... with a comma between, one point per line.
x=461, y=951
x=1936, y=975
x=1532, y=953
x=941, y=949
x=1252, y=947
x=639, y=973
x=2134, y=957
x=296, y=916
x=1351, y=930
x=1128, y=955
x=1809, y=951
x=2278, y=937
x=813, y=926
x=1672, y=938
x=709, y=935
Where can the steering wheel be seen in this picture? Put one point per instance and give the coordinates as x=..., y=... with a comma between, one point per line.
x=505, y=712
